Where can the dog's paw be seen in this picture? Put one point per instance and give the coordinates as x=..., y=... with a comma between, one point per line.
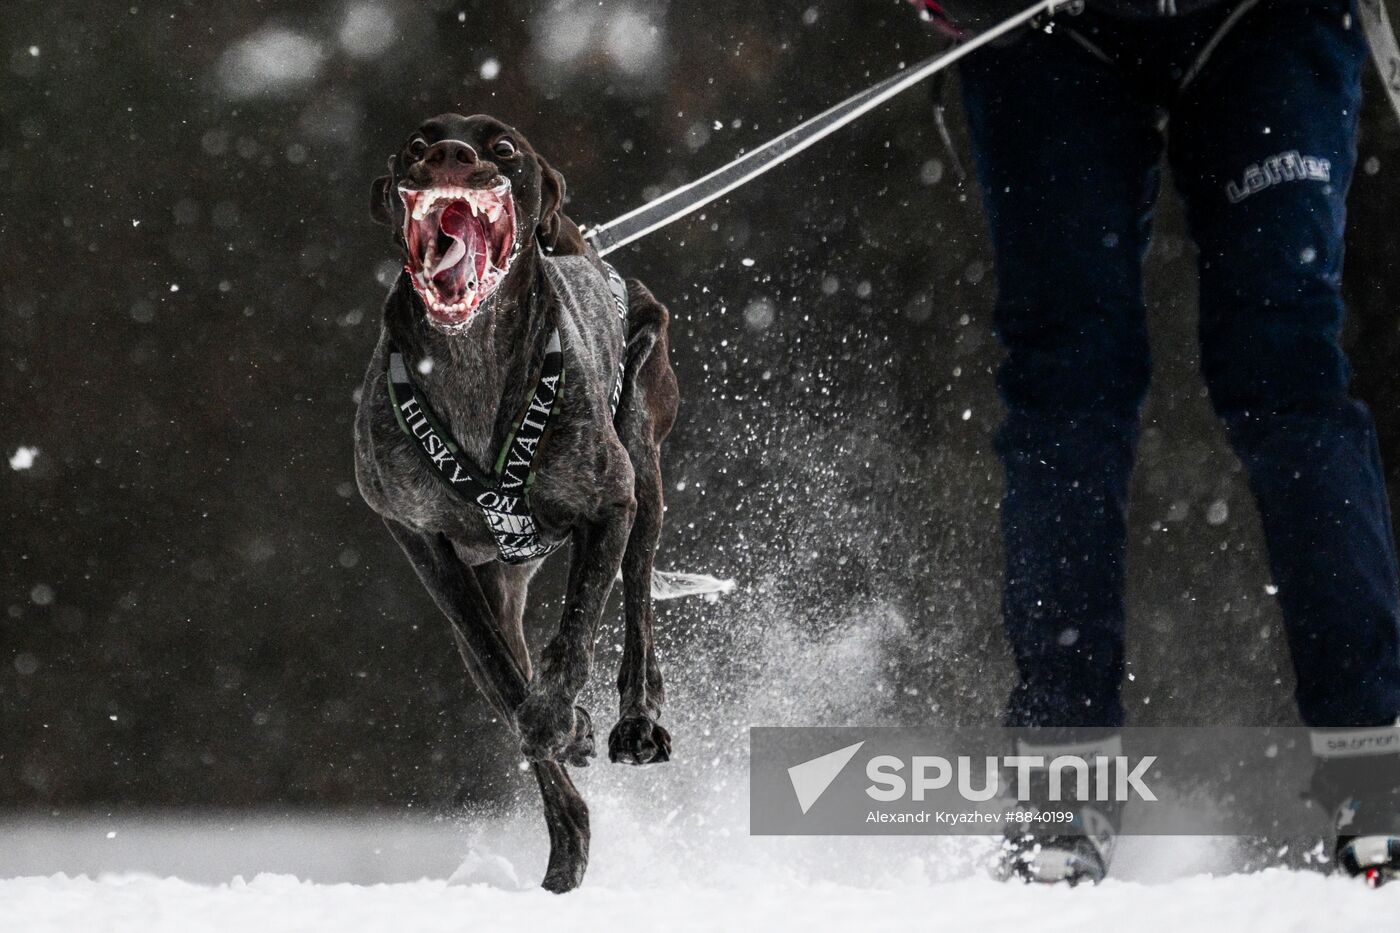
x=553, y=729
x=582, y=748
x=638, y=740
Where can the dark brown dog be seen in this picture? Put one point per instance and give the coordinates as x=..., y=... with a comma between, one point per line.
x=493, y=269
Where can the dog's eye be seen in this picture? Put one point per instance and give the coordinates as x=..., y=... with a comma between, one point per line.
x=504, y=148
x=417, y=148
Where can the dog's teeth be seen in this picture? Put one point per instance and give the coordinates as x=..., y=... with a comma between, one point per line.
x=494, y=211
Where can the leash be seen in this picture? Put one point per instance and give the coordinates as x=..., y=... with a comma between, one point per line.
x=686, y=199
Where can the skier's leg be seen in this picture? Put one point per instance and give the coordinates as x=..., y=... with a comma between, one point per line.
x=1066, y=156
x=1263, y=144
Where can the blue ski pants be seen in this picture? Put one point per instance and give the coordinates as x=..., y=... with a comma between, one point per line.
x=1255, y=107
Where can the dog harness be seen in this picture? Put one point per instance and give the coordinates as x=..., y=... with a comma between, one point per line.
x=502, y=496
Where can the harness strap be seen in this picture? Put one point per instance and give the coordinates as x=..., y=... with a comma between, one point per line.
x=503, y=497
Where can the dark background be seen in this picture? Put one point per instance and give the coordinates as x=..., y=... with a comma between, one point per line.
x=197, y=608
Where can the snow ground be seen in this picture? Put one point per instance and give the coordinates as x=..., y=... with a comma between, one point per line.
x=1275, y=901
x=670, y=850
x=374, y=873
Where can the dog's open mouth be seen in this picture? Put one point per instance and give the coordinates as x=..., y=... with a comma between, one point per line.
x=460, y=245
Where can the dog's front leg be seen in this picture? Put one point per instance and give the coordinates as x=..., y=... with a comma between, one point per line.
x=638, y=738
x=551, y=726
x=458, y=593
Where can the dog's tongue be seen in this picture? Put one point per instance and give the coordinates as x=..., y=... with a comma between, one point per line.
x=454, y=222
x=468, y=235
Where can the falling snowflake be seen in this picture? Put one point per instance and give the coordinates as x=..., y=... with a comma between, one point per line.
x=23, y=458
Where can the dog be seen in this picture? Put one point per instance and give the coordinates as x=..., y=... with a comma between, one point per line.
x=507, y=341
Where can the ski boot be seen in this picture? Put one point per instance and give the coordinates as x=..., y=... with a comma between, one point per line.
x=1044, y=848
x=1032, y=855
x=1357, y=779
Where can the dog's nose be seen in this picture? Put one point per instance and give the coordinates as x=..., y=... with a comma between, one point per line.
x=449, y=152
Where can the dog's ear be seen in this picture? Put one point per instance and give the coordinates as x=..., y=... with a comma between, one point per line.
x=551, y=205
x=558, y=235
x=380, y=207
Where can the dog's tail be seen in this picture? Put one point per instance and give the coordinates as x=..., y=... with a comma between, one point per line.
x=669, y=584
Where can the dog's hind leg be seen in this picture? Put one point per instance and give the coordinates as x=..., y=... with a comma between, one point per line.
x=566, y=815
x=646, y=414
x=454, y=586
